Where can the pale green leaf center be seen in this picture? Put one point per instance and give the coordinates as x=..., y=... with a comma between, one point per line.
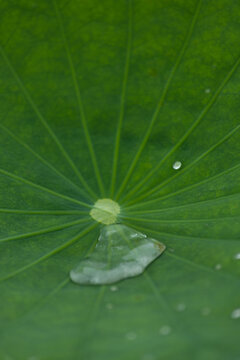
x=105, y=211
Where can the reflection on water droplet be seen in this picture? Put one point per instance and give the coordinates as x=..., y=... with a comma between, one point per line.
x=206, y=311
x=109, y=306
x=181, y=307
x=177, y=165
x=165, y=330
x=237, y=256
x=218, y=266
x=114, y=288
x=131, y=336
x=117, y=255
x=207, y=91
x=235, y=314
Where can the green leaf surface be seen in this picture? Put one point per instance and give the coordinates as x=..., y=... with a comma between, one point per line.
x=99, y=99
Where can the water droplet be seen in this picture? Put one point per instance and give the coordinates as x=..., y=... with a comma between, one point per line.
x=206, y=311
x=165, y=330
x=131, y=336
x=235, y=314
x=148, y=357
x=237, y=256
x=117, y=255
x=114, y=288
x=207, y=91
x=218, y=266
x=181, y=307
x=109, y=306
x=177, y=165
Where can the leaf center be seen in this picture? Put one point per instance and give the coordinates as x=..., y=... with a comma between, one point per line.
x=105, y=211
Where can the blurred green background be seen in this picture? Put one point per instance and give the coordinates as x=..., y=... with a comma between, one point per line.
x=99, y=99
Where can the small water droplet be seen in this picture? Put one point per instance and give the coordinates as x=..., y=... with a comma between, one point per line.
x=148, y=357
x=218, y=266
x=165, y=330
x=181, y=307
x=114, y=288
x=206, y=311
x=109, y=306
x=207, y=91
x=131, y=336
x=177, y=165
x=235, y=314
x=237, y=256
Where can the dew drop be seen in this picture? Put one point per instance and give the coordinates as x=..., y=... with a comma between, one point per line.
x=165, y=330
x=235, y=314
x=207, y=91
x=218, y=267
x=131, y=336
x=109, y=306
x=118, y=255
x=181, y=307
x=114, y=288
x=177, y=165
x=206, y=311
x=237, y=256
x=148, y=357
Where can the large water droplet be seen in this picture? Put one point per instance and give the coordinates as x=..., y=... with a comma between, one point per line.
x=121, y=252
x=237, y=256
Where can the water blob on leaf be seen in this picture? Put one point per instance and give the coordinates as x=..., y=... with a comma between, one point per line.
x=121, y=252
x=114, y=288
x=177, y=165
x=237, y=256
x=131, y=336
x=235, y=314
x=165, y=330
